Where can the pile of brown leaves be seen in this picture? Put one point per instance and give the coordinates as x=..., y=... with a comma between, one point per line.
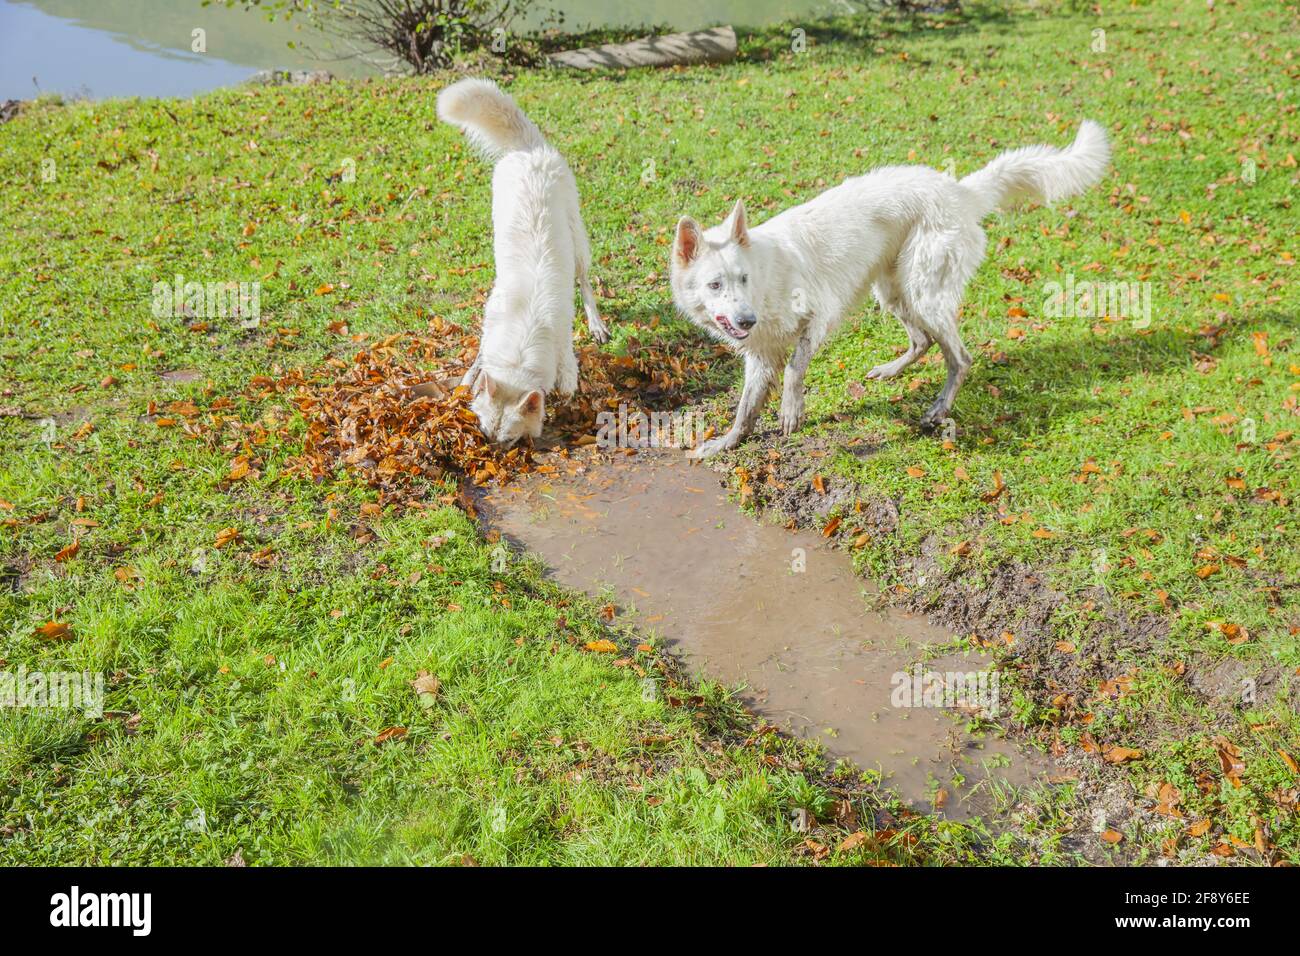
x=397, y=413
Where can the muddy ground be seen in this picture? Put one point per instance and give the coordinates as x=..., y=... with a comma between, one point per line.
x=783, y=480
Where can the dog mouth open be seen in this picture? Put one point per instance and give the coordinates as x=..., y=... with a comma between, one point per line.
x=725, y=324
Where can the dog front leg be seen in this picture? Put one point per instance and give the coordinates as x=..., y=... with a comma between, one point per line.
x=792, y=390
x=759, y=377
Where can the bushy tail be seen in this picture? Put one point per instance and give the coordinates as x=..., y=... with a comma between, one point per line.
x=1042, y=173
x=488, y=117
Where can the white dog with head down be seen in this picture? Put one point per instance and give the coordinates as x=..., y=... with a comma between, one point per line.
x=540, y=244
x=909, y=234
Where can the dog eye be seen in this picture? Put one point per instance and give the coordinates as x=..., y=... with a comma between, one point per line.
x=715, y=285
x=744, y=280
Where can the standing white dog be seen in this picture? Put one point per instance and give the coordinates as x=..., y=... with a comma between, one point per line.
x=540, y=244
x=909, y=234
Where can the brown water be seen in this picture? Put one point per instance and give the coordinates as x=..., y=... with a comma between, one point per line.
x=778, y=612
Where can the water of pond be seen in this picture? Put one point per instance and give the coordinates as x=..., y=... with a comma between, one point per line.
x=104, y=48
x=778, y=613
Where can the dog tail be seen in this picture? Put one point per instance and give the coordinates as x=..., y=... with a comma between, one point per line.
x=1042, y=173
x=489, y=118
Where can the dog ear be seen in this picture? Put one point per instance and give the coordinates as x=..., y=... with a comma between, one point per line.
x=737, y=224
x=689, y=239
x=485, y=382
x=531, y=403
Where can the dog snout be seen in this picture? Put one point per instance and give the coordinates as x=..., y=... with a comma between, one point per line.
x=746, y=319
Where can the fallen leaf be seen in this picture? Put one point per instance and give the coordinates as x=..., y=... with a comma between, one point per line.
x=426, y=685
x=853, y=841
x=54, y=631
x=1230, y=760
x=1118, y=755
x=1289, y=761
x=998, y=488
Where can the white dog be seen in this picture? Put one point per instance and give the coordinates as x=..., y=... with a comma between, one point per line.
x=540, y=244
x=909, y=234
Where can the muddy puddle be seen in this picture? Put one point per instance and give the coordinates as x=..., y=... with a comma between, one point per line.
x=779, y=613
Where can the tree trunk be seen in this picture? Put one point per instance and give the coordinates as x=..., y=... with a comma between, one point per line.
x=717, y=45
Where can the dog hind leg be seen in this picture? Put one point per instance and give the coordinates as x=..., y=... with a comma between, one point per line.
x=891, y=300
x=958, y=361
x=919, y=343
x=582, y=262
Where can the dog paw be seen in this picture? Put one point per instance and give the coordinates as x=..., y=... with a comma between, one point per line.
x=791, y=418
x=882, y=372
x=711, y=447
x=934, y=417
x=598, y=329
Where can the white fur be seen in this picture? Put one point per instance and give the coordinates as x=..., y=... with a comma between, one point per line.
x=540, y=244
x=909, y=234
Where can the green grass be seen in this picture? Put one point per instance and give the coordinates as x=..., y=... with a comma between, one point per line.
x=244, y=701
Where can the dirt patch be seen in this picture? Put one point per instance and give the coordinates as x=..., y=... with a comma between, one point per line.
x=1239, y=685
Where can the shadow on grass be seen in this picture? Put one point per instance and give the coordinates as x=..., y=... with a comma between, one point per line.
x=1039, y=384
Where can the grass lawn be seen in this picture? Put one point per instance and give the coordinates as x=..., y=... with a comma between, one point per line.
x=296, y=673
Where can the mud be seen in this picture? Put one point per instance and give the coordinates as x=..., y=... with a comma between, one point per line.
x=780, y=614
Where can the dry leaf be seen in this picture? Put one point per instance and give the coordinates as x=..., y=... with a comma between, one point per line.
x=1230, y=760
x=1289, y=761
x=1119, y=755
x=426, y=685
x=54, y=631
x=853, y=841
